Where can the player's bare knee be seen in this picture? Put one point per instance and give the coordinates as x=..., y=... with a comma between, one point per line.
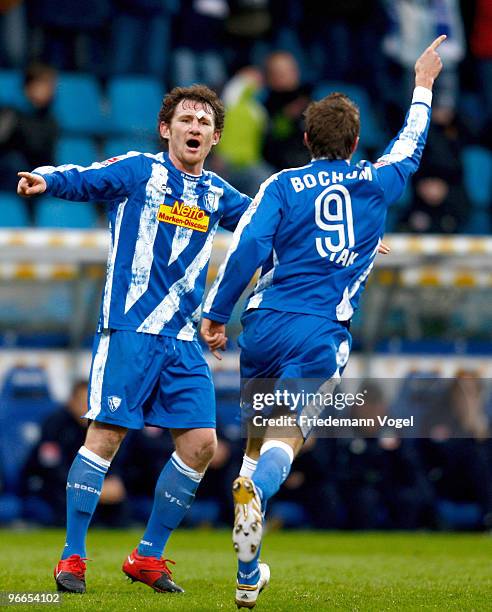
x=197, y=448
x=201, y=455
x=104, y=439
x=207, y=449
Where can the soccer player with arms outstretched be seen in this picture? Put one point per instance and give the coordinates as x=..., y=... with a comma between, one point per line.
x=148, y=367
x=315, y=231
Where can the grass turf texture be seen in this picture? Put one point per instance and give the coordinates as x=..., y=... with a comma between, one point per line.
x=310, y=570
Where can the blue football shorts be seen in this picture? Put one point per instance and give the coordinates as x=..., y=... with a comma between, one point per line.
x=142, y=379
x=285, y=350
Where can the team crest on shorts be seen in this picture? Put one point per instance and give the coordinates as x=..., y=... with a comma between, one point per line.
x=114, y=402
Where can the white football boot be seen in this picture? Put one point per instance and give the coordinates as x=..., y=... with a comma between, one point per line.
x=248, y=519
x=247, y=594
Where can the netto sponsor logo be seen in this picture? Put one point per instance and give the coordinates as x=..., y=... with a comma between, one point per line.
x=183, y=215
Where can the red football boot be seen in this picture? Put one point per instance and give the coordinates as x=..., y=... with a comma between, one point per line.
x=70, y=574
x=151, y=571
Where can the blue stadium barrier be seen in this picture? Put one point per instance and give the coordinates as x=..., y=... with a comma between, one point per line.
x=392, y=220
x=477, y=166
x=458, y=515
x=395, y=211
x=406, y=197
x=472, y=109
x=292, y=515
x=11, y=89
x=78, y=104
x=78, y=150
x=25, y=401
x=53, y=212
x=135, y=102
x=371, y=135
x=479, y=223
x=123, y=144
x=419, y=394
x=10, y=508
x=13, y=211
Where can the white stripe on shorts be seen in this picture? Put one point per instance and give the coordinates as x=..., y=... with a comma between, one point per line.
x=98, y=367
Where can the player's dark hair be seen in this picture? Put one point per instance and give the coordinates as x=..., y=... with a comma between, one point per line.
x=196, y=93
x=332, y=126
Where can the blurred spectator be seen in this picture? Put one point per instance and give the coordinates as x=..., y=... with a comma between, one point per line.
x=380, y=480
x=28, y=137
x=481, y=47
x=45, y=472
x=248, y=27
x=141, y=31
x=13, y=36
x=414, y=25
x=238, y=154
x=70, y=37
x=198, y=43
x=342, y=40
x=286, y=99
x=458, y=455
x=441, y=204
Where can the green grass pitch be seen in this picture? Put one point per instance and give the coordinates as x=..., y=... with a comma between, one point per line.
x=310, y=571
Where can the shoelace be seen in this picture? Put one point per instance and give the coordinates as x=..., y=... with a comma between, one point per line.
x=160, y=564
x=76, y=567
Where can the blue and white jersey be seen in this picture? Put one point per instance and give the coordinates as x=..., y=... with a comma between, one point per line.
x=162, y=224
x=315, y=230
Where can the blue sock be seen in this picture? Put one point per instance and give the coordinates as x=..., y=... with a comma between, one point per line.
x=174, y=494
x=248, y=572
x=84, y=484
x=271, y=471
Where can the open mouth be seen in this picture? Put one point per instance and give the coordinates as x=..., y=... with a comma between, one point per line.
x=193, y=143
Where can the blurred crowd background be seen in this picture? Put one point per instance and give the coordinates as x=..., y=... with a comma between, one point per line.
x=83, y=81
x=360, y=478
x=80, y=83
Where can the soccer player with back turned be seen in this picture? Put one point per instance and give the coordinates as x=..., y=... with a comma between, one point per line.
x=315, y=232
x=147, y=366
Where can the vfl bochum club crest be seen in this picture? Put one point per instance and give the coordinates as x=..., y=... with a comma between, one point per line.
x=114, y=402
x=211, y=198
x=209, y=201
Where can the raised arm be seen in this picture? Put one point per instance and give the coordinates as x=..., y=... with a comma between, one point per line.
x=429, y=65
x=106, y=180
x=402, y=157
